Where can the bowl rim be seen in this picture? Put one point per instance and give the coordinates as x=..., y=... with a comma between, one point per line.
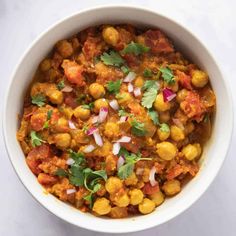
x=107, y=7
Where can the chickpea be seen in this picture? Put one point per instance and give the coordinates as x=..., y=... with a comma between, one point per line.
x=171, y=187
x=166, y=150
x=157, y=198
x=181, y=95
x=64, y=48
x=110, y=35
x=112, y=129
x=61, y=124
x=124, y=98
x=56, y=97
x=146, y=206
x=164, y=116
x=45, y=65
x=113, y=185
x=163, y=135
x=159, y=103
x=99, y=103
x=102, y=206
x=191, y=151
x=118, y=212
x=139, y=82
x=176, y=133
x=136, y=196
x=122, y=200
x=96, y=90
x=131, y=180
x=81, y=113
x=145, y=175
x=199, y=78
x=62, y=140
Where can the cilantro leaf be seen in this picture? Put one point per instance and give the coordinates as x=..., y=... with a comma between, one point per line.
x=167, y=75
x=78, y=157
x=38, y=100
x=122, y=112
x=154, y=116
x=123, y=152
x=125, y=69
x=112, y=59
x=149, y=84
x=49, y=115
x=126, y=170
x=165, y=128
x=138, y=128
x=135, y=48
x=61, y=172
x=35, y=139
x=149, y=97
x=77, y=180
x=147, y=73
x=114, y=86
x=89, y=106
x=61, y=85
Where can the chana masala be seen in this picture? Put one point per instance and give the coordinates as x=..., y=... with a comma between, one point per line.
x=115, y=120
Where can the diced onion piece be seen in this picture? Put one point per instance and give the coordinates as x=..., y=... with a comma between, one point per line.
x=124, y=139
x=168, y=94
x=98, y=138
x=152, y=173
x=114, y=104
x=130, y=77
x=123, y=119
x=130, y=88
x=94, y=119
x=89, y=148
x=102, y=114
x=70, y=161
x=120, y=162
x=70, y=191
x=178, y=123
x=137, y=92
x=71, y=125
x=91, y=130
x=116, y=148
x=67, y=89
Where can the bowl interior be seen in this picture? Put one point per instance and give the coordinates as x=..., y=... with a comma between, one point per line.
x=214, y=152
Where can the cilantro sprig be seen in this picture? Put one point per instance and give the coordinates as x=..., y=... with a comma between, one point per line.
x=167, y=75
x=164, y=128
x=138, y=128
x=154, y=116
x=114, y=86
x=147, y=73
x=35, y=139
x=61, y=85
x=89, y=106
x=39, y=100
x=112, y=59
x=49, y=116
x=135, y=48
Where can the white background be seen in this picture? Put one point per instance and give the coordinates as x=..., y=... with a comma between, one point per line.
x=213, y=21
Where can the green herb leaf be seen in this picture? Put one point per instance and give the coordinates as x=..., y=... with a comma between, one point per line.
x=89, y=106
x=49, y=115
x=38, y=100
x=167, y=75
x=147, y=73
x=61, y=85
x=80, y=98
x=61, y=172
x=165, y=128
x=123, y=152
x=150, y=84
x=125, y=69
x=122, y=112
x=138, y=128
x=112, y=59
x=77, y=181
x=35, y=139
x=154, y=116
x=114, y=86
x=149, y=97
x=78, y=157
x=135, y=48
x=126, y=170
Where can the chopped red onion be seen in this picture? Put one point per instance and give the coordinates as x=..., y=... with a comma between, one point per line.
x=98, y=138
x=70, y=191
x=130, y=88
x=91, y=130
x=94, y=119
x=70, y=161
x=168, y=94
x=116, y=148
x=67, y=89
x=124, y=139
x=114, y=104
x=178, y=123
x=123, y=119
x=152, y=173
x=130, y=77
x=89, y=148
x=137, y=92
x=71, y=125
x=102, y=114
x=120, y=162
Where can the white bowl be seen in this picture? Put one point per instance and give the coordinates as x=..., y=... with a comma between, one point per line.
x=214, y=152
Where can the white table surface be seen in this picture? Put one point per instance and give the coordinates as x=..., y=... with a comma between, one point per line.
x=21, y=21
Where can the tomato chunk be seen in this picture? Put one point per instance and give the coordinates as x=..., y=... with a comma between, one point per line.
x=184, y=80
x=73, y=72
x=39, y=153
x=46, y=179
x=37, y=121
x=149, y=189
